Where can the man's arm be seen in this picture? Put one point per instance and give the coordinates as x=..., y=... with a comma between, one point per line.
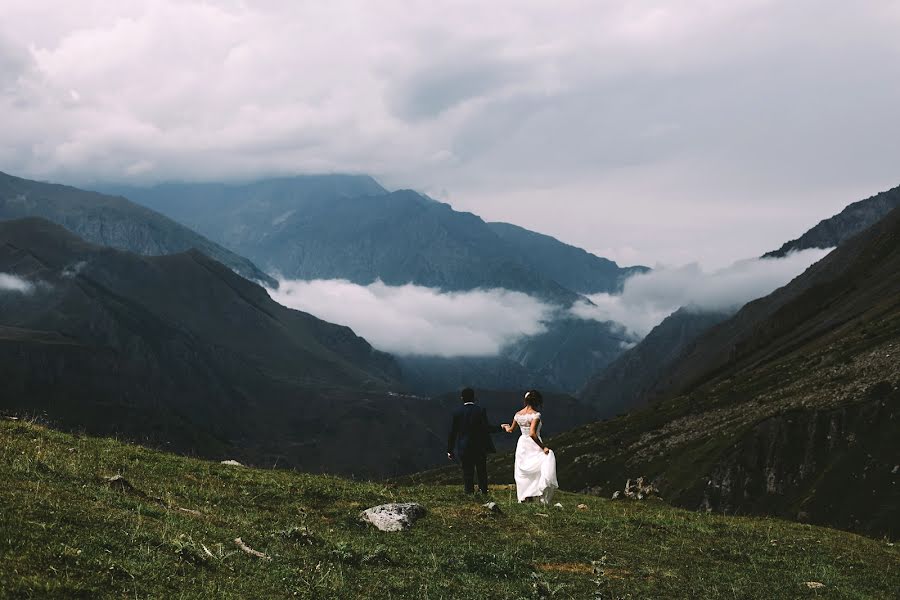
x=451, y=439
x=487, y=425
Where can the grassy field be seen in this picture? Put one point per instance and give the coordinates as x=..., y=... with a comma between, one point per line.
x=65, y=532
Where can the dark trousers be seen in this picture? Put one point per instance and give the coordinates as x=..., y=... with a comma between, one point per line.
x=470, y=465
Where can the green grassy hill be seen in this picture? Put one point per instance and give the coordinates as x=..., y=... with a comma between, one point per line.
x=65, y=532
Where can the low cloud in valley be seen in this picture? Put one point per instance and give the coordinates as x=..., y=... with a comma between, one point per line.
x=648, y=298
x=412, y=319
x=12, y=283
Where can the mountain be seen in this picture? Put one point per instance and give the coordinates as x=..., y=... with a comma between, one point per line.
x=853, y=219
x=348, y=227
x=335, y=227
x=789, y=408
x=572, y=267
x=112, y=221
x=181, y=351
x=244, y=215
x=641, y=374
x=628, y=381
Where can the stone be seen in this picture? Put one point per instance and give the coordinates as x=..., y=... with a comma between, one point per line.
x=117, y=482
x=616, y=495
x=558, y=506
x=814, y=585
x=231, y=463
x=396, y=516
x=582, y=507
x=492, y=506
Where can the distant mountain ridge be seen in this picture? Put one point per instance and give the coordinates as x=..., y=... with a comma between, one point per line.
x=855, y=218
x=350, y=227
x=112, y=221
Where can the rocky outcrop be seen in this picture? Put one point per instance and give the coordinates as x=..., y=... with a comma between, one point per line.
x=394, y=516
x=825, y=467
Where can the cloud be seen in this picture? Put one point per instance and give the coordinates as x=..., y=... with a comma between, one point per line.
x=411, y=319
x=12, y=283
x=576, y=118
x=648, y=298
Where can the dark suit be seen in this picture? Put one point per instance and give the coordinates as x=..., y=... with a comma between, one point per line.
x=470, y=441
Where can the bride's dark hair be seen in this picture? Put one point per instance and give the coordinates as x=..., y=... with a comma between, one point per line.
x=534, y=399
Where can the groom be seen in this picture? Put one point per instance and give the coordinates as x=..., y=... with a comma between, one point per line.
x=470, y=441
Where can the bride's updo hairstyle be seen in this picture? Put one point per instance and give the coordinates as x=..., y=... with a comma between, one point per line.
x=534, y=399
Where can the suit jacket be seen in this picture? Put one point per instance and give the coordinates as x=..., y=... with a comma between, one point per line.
x=470, y=432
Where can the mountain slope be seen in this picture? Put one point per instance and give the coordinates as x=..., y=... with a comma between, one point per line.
x=177, y=350
x=642, y=373
x=855, y=218
x=626, y=383
x=572, y=267
x=112, y=221
x=244, y=215
x=788, y=408
x=170, y=533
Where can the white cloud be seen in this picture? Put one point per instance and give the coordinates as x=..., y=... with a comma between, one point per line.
x=648, y=298
x=577, y=118
x=411, y=319
x=13, y=283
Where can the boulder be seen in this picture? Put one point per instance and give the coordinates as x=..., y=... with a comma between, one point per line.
x=396, y=516
x=492, y=506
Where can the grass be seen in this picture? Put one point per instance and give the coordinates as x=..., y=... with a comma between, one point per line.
x=66, y=533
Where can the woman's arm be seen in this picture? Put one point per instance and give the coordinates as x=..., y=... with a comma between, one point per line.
x=511, y=427
x=535, y=423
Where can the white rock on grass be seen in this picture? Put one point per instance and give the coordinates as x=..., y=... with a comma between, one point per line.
x=231, y=463
x=393, y=517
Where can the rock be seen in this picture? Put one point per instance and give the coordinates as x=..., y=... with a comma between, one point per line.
x=492, y=506
x=638, y=490
x=117, y=482
x=231, y=463
x=558, y=505
x=616, y=495
x=395, y=516
x=814, y=585
x=582, y=507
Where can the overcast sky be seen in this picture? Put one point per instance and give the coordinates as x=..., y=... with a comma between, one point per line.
x=644, y=131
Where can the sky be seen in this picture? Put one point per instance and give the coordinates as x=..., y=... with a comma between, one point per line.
x=652, y=132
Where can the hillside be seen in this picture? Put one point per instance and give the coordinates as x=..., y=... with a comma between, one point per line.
x=643, y=373
x=789, y=408
x=179, y=350
x=112, y=221
x=626, y=383
x=855, y=218
x=170, y=533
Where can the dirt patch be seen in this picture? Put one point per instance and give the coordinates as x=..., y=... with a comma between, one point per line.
x=581, y=568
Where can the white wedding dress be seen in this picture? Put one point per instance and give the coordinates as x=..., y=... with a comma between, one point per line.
x=535, y=471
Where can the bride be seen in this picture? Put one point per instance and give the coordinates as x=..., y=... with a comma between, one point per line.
x=535, y=469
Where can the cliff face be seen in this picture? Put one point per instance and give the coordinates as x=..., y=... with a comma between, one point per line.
x=822, y=466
